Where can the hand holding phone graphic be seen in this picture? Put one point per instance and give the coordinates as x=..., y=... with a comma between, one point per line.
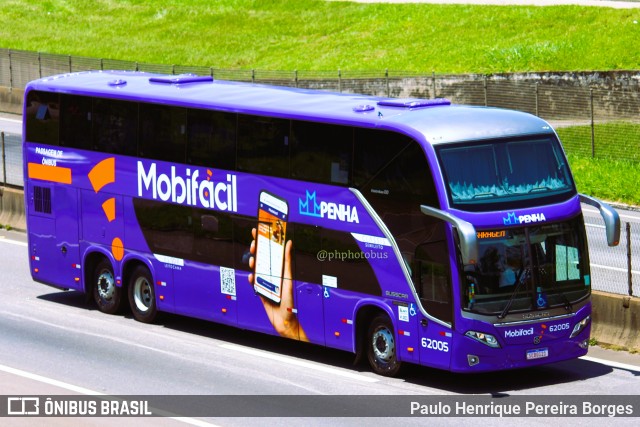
x=273, y=213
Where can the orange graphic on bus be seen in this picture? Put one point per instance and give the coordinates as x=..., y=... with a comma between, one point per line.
x=49, y=173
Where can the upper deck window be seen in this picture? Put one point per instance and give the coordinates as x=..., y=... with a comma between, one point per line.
x=480, y=175
x=43, y=117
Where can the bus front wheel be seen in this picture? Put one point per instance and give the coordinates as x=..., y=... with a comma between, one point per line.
x=106, y=294
x=142, y=297
x=381, y=347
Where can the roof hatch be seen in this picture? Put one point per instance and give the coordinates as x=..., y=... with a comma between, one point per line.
x=181, y=79
x=414, y=102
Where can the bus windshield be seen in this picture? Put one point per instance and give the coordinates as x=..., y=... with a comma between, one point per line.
x=479, y=175
x=528, y=268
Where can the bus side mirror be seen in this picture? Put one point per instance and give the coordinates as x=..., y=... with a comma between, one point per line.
x=610, y=217
x=466, y=233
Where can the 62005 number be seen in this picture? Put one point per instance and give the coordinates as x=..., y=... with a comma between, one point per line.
x=435, y=345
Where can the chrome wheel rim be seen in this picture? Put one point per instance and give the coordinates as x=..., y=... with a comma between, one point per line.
x=142, y=294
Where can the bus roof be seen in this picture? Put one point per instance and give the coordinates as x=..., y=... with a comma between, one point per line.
x=437, y=120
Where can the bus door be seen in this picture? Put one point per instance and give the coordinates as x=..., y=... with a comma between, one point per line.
x=432, y=277
x=309, y=293
x=53, y=234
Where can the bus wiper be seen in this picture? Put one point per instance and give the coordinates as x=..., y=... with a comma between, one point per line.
x=567, y=304
x=538, y=189
x=522, y=277
x=484, y=195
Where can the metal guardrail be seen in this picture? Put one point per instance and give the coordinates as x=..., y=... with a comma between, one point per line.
x=615, y=269
x=11, y=160
x=596, y=114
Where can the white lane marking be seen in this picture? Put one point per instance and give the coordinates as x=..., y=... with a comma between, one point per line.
x=300, y=363
x=594, y=225
x=613, y=364
x=606, y=267
x=86, y=391
x=597, y=214
x=12, y=242
x=50, y=381
x=10, y=120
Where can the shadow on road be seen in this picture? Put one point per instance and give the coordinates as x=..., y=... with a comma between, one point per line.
x=496, y=384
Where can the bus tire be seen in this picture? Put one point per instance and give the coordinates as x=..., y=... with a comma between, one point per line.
x=106, y=294
x=142, y=295
x=381, y=347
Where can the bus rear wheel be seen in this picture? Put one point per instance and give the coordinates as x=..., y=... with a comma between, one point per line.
x=142, y=296
x=381, y=347
x=106, y=294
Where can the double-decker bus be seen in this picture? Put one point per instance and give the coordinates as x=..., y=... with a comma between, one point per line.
x=402, y=230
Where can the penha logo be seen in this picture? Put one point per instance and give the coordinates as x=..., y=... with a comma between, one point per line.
x=310, y=207
x=512, y=219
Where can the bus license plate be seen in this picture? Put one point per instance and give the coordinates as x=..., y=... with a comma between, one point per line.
x=538, y=353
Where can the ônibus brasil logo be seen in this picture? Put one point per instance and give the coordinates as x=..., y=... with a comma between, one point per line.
x=188, y=189
x=329, y=210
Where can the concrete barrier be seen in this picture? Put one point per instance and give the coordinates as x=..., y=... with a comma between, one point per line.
x=12, y=208
x=616, y=320
x=11, y=100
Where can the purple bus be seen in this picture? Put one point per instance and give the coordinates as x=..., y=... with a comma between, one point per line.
x=402, y=230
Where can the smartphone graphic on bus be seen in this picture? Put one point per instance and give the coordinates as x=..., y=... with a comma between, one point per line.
x=271, y=236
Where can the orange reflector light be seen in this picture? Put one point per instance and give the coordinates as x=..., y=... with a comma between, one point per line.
x=77, y=279
x=410, y=349
x=36, y=269
x=161, y=297
x=224, y=310
x=336, y=333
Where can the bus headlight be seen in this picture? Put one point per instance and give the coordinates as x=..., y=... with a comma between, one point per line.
x=580, y=326
x=485, y=339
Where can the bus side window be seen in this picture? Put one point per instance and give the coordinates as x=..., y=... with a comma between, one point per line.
x=115, y=126
x=375, y=152
x=167, y=228
x=350, y=268
x=321, y=152
x=163, y=132
x=213, y=237
x=389, y=165
x=43, y=117
x=434, y=279
x=263, y=145
x=211, y=139
x=75, y=124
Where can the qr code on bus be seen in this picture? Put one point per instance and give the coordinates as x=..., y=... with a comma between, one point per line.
x=228, y=281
